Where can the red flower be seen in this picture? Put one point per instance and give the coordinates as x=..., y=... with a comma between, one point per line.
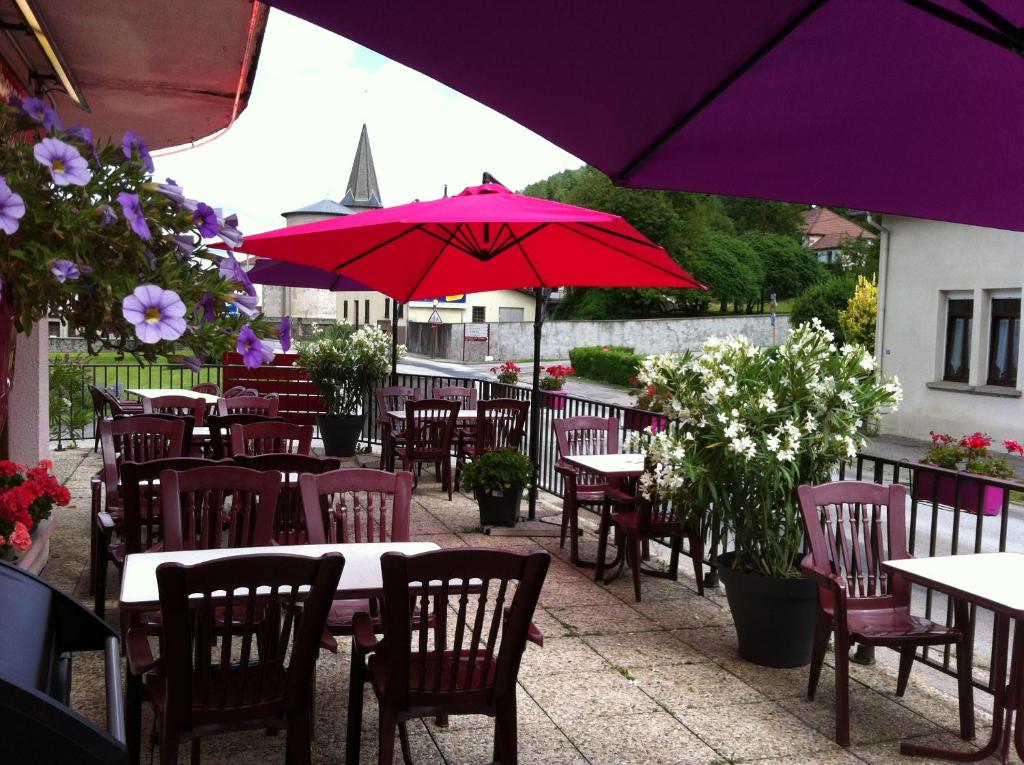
x=20, y=539
x=976, y=441
x=1013, y=446
x=8, y=468
x=941, y=438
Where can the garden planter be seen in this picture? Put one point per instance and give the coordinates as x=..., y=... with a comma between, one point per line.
x=37, y=556
x=774, y=616
x=971, y=493
x=636, y=420
x=340, y=433
x=553, y=399
x=497, y=507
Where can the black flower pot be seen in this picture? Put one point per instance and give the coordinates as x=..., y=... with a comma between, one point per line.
x=774, y=616
x=497, y=507
x=340, y=433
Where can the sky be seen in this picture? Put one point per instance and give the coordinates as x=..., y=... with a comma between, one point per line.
x=295, y=142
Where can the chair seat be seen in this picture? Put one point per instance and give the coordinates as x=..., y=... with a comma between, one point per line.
x=895, y=625
x=339, y=621
x=225, y=689
x=378, y=671
x=632, y=521
x=423, y=455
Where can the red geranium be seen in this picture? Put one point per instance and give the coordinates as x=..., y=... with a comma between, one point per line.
x=1013, y=447
x=20, y=539
x=27, y=496
x=976, y=441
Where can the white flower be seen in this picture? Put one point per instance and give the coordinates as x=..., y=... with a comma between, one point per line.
x=744, y=446
x=735, y=428
x=786, y=455
x=811, y=424
x=772, y=442
x=867, y=363
x=846, y=397
x=722, y=418
x=767, y=402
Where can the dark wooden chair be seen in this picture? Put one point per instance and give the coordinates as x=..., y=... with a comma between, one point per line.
x=390, y=399
x=356, y=505
x=637, y=520
x=219, y=506
x=500, y=424
x=253, y=672
x=248, y=405
x=271, y=438
x=180, y=405
x=466, y=396
x=426, y=436
x=138, y=438
x=210, y=388
x=290, y=520
x=219, y=445
x=415, y=670
x=851, y=528
x=577, y=436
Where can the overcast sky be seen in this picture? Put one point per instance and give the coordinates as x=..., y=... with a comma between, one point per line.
x=295, y=142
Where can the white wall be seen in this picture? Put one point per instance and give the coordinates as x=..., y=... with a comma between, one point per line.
x=28, y=412
x=921, y=262
x=456, y=313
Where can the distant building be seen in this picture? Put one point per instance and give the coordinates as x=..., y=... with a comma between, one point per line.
x=824, y=232
x=949, y=299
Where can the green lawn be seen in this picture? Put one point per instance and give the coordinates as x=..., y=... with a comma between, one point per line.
x=109, y=372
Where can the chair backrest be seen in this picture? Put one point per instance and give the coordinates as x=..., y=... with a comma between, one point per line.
x=429, y=427
x=207, y=387
x=234, y=390
x=140, y=497
x=219, y=506
x=500, y=423
x=181, y=405
x=113, y=402
x=464, y=395
x=587, y=435
x=472, y=588
x=357, y=505
x=100, y=404
x=271, y=438
x=290, y=520
x=851, y=527
x=220, y=431
x=392, y=399
x=137, y=439
x=258, y=663
x=248, y=405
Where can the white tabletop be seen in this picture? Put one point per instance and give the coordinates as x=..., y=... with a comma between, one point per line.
x=361, y=576
x=209, y=398
x=620, y=465
x=464, y=414
x=201, y=431
x=992, y=580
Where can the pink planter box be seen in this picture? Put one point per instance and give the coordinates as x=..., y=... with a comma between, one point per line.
x=932, y=486
x=640, y=420
x=553, y=399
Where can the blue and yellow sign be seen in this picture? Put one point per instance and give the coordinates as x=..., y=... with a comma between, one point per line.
x=449, y=299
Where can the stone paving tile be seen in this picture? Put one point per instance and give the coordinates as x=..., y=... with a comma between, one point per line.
x=752, y=731
x=577, y=592
x=684, y=613
x=560, y=656
x=713, y=642
x=888, y=753
x=702, y=684
x=775, y=683
x=837, y=757
x=603, y=620
x=643, y=649
x=587, y=696
x=549, y=626
x=651, y=739
x=539, y=743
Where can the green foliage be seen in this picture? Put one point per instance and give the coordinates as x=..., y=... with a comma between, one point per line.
x=497, y=471
x=70, y=406
x=788, y=267
x=765, y=216
x=824, y=301
x=859, y=255
x=859, y=316
x=729, y=267
x=615, y=364
x=344, y=364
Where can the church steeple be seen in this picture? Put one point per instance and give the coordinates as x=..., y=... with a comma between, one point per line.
x=362, y=190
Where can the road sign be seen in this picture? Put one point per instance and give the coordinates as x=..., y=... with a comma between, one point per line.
x=435, y=318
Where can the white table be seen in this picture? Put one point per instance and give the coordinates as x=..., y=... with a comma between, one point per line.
x=208, y=398
x=994, y=581
x=609, y=465
x=360, y=578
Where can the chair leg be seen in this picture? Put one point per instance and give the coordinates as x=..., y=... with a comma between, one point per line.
x=566, y=509
x=298, y=744
x=446, y=472
x=906, y=664
x=100, y=584
x=842, y=688
x=355, y=709
x=634, y=547
x=696, y=540
x=964, y=665
x=602, y=540
x=386, y=745
x=196, y=753
x=133, y=717
x=505, y=734
x=822, y=631
x=673, y=561
x=168, y=745
x=403, y=740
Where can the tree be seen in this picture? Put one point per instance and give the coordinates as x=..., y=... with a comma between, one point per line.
x=728, y=266
x=859, y=255
x=788, y=267
x=765, y=216
x=859, y=316
x=824, y=301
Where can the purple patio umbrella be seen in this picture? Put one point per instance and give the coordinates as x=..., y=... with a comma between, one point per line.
x=910, y=107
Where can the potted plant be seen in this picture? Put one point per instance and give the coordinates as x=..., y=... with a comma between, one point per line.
x=497, y=480
x=344, y=364
x=27, y=497
x=507, y=373
x=648, y=399
x=552, y=384
x=749, y=426
x=969, y=454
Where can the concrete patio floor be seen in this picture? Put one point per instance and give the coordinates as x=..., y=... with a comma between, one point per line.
x=616, y=682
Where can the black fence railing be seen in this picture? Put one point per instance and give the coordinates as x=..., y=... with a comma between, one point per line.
x=949, y=512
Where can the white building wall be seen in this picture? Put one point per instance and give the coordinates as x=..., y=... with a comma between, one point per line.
x=922, y=262
x=491, y=302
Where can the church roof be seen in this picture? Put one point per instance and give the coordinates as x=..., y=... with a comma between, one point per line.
x=323, y=207
x=362, y=189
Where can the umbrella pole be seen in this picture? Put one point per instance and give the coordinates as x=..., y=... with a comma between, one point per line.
x=538, y=323
x=394, y=341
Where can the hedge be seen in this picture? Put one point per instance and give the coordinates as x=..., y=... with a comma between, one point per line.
x=615, y=364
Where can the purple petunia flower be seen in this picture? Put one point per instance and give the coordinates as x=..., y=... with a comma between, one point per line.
x=205, y=308
x=65, y=270
x=156, y=313
x=15, y=100
x=193, y=362
x=186, y=243
x=12, y=208
x=132, y=209
x=205, y=219
x=108, y=215
x=83, y=134
x=43, y=113
x=133, y=141
x=229, y=233
x=246, y=303
x=254, y=352
x=284, y=333
x=170, y=189
x=232, y=271
x=66, y=165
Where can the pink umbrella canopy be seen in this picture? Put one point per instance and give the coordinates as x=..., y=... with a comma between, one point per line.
x=486, y=238
x=910, y=107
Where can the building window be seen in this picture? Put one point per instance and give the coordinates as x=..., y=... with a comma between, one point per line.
x=387, y=308
x=344, y=309
x=366, y=311
x=959, y=316
x=1004, y=342
x=479, y=313
x=399, y=310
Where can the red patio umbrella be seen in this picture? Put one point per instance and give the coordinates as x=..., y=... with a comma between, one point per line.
x=485, y=238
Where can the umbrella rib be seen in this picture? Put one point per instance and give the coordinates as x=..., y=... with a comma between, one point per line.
x=430, y=265
x=378, y=246
x=633, y=256
x=718, y=90
x=635, y=240
x=450, y=242
x=1005, y=40
x=540, y=281
x=517, y=239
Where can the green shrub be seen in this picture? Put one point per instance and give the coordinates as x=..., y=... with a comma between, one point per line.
x=615, y=364
x=70, y=406
x=824, y=301
x=497, y=471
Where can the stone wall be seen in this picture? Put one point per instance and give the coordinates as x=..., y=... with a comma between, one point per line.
x=514, y=340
